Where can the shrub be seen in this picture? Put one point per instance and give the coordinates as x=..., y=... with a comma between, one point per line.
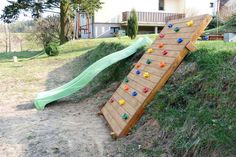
x=132, y=28
x=51, y=49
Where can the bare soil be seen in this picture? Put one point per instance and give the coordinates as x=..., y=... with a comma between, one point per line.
x=69, y=128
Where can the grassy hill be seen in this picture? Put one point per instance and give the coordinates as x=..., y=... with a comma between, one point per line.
x=195, y=110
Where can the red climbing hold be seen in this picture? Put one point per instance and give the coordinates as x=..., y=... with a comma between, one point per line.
x=165, y=52
x=162, y=35
x=111, y=100
x=145, y=89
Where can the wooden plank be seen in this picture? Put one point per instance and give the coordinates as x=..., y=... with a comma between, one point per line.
x=171, y=70
x=129, y=99
x=159, y=58
x=159, y=76
x=142, y=81
x=126, y=108
x=153, y=77
x=116, y=115
x=169, y=42
x=140, y=97
x=169, y=47
x=191, y=47
x=200, y=17
x=112, y=123
x=154, y=64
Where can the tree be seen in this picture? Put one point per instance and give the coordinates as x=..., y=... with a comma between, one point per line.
x=37, y=7
x=132, y=28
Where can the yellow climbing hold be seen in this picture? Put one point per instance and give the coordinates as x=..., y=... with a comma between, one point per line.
x=190, y=23
x=146, y=75
x=121, y=101
x=150, y=50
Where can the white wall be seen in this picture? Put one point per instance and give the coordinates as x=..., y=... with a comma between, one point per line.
x=198, y=7
x=112, y=9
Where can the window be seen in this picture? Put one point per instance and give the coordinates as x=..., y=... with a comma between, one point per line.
x=161, y=4
x=211, y=5
x=114, y=29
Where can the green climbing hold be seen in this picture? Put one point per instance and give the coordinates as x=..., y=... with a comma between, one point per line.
x=126, y=80
x=148, y=61
x=176, y=29
x=125, y=116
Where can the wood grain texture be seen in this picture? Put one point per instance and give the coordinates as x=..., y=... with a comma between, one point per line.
x=158, y=76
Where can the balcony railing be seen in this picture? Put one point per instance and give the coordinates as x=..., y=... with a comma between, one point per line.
x=153, y=17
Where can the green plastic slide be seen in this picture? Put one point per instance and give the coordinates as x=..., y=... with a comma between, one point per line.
x=87, y=75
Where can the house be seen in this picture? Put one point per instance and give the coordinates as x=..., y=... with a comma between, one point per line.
x=152, y=16
x=227, y=8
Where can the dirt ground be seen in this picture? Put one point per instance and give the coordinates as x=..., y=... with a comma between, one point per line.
x=69, y=128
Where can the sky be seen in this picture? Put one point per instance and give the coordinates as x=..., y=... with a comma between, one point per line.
x=4, y=3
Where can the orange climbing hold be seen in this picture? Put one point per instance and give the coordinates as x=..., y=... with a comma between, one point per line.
x=138, y=65
x=121, y=101
x=150, y=50
x=162, y=64
x=160, y=45
x=190, y=23
x=146, y=75
x=126, y=87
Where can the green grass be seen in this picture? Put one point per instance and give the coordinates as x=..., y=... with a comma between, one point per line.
x=70, y=50
x=196, y=108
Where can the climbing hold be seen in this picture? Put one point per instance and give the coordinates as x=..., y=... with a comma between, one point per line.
x=146, y=75
x=162, y=64
x=165, y=52
x=138, y=72
x=145, y=89
x=126, y=87
x=121, y=101
x=177, y=29
x=150, y=50
x=134, y=93
x=160, y=45
x=111, y=100
x=126, y=80
x=138, y=65
x=180, y=40
x=162, y=35
x=148, y=61
x=190, y=23
x=205, y=38
x=170, y=25
x=125, y=116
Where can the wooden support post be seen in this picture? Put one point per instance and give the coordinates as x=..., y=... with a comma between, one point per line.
x=191, y=47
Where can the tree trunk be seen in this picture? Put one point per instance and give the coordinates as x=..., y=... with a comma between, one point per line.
x=6, y=36
x=64, y=7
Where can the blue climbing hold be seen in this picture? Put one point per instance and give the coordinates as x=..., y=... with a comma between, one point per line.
x=180, y=40
x=134, y=93
x=170, y=25
x=205, y=38
x=138, y=72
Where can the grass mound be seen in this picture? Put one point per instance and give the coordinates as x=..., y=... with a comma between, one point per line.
x=196, y=109
x=114, y=73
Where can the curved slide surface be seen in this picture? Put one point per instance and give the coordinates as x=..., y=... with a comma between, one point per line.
x=87, y=75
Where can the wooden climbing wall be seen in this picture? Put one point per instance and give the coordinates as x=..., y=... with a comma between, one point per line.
x=150, y=74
